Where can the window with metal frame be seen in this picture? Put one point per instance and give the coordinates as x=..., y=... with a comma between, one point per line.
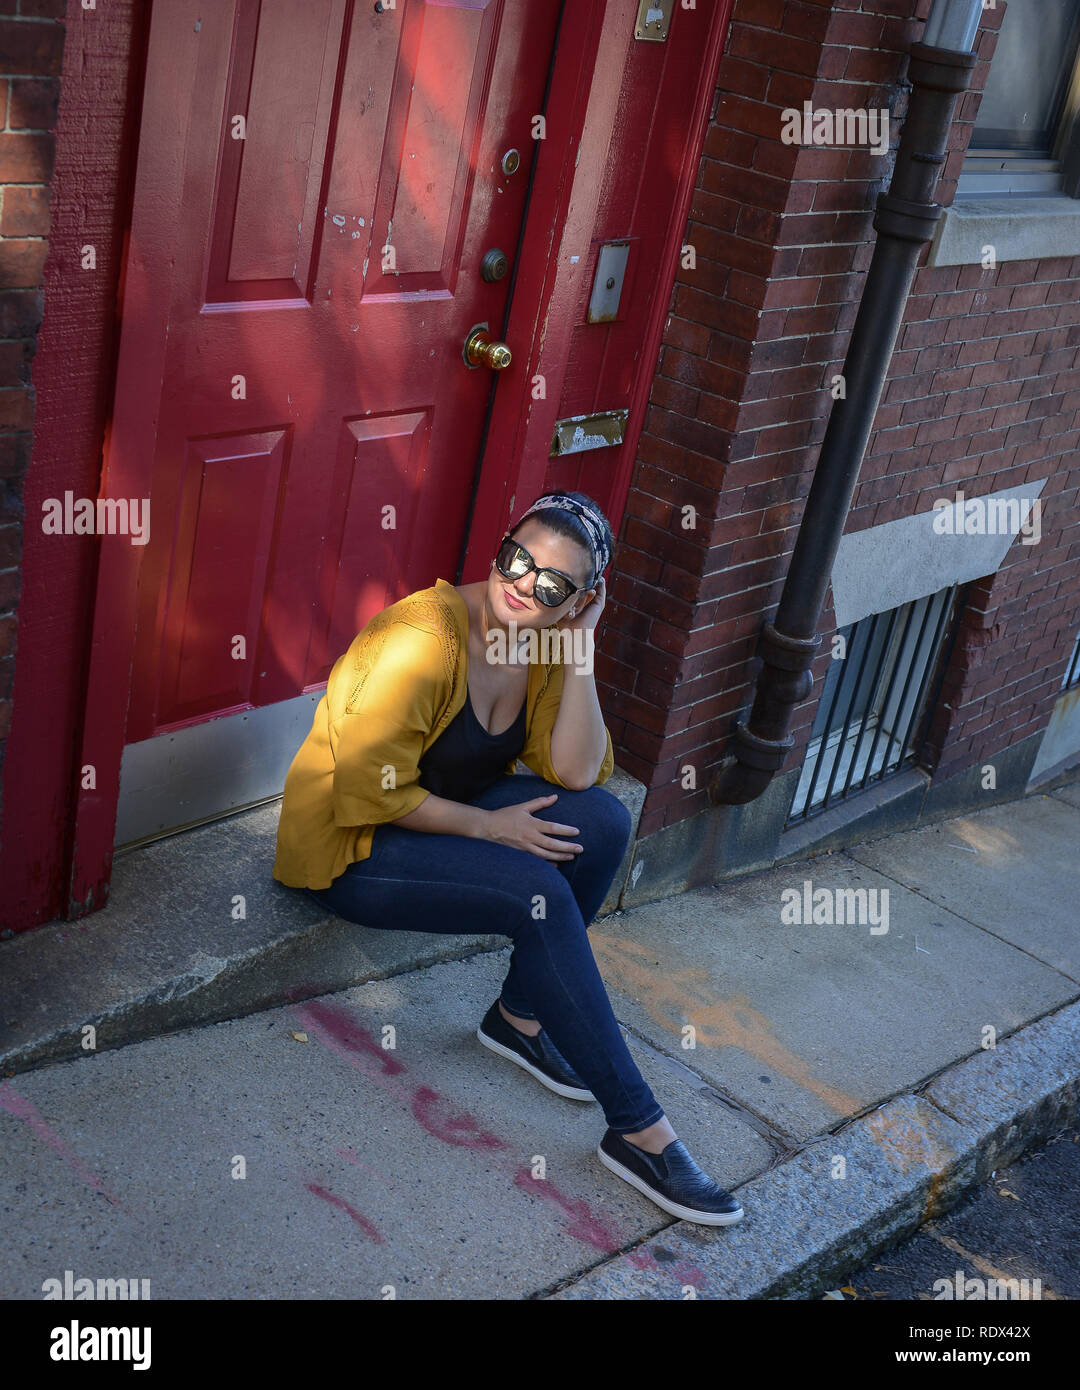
x=1024, y=139
x=873, y=710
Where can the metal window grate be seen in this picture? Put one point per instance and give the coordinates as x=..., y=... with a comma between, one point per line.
x=1072, y=671
x=875, y=702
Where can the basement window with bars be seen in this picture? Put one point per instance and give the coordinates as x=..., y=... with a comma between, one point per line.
x=1072, y=671
x=874, y=708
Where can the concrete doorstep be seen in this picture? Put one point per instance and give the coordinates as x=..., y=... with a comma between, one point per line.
x=848, y=1077
x=196, y=931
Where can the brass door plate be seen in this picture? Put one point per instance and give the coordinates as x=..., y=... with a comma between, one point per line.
x=577, y=433
x=653, y=20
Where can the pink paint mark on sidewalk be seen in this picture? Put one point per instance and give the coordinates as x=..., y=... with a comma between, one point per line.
x=345, y=1029
x=347, y=1054
x=368, y=1227
x=459, y=1128
x=335, y=1029
x=25, y=1110
x=347, y=1039
x=343, y=1035
x=680, y=1269
x=584, y=1225
x=343, y=1151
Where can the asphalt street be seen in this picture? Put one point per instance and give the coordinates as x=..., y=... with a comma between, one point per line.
x=1023, y=1225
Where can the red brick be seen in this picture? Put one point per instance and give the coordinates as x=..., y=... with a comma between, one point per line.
x=26, y=212
x=34, y=47
x=9, y=590
x=709, y=212
x=16, y=408
x=670, y=395
x=22, y=261
x=687, y=336
x=34, y=103
x=21, y=312
x=27, y=158
x=744, y=78
x=728, y=146
x=866, y=65
x=10, y=547
x=15, y=450
x=16, y=358
x=43, y=9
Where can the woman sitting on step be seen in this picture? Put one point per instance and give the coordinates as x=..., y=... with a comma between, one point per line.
x=402, y=812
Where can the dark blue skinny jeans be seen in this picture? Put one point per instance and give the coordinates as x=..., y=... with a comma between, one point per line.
x=454, y=884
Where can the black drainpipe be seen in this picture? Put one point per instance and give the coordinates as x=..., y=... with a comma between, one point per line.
x=905, y=220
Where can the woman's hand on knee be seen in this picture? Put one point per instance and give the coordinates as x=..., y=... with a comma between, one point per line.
x=517, y=827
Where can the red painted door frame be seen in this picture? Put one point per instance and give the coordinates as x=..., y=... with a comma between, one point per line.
x=582, y=133
x=590, y=121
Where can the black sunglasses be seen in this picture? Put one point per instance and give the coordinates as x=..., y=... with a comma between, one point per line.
x=551, y=588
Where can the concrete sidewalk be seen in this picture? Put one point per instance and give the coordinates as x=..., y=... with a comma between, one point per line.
x=838, y=1076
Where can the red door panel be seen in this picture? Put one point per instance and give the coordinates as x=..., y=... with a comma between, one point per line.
x=380, y=464
x=219, y=574
x=316, y=431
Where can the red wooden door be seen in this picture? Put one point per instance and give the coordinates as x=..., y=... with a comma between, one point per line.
x=315, y=429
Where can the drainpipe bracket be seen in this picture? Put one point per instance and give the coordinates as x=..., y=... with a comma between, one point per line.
x=939, y=68
x=785, y=652
x=765, y=754
x=897, y=217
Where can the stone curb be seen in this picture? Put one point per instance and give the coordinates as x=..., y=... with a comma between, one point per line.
x=910, y=1159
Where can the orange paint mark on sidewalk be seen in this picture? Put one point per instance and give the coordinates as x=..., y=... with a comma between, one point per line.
x=908, y=1142
x=676, y=997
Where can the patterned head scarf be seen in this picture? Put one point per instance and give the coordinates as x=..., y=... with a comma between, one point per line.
x=593, y=521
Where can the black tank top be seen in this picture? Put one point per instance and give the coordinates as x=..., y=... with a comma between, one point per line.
x=465, y=759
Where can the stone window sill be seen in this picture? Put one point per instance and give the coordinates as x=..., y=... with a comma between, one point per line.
x=1018, y=228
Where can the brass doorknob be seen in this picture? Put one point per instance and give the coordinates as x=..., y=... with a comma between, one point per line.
x=482, y=351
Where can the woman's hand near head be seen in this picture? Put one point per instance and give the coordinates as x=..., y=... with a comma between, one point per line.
x=588, y=611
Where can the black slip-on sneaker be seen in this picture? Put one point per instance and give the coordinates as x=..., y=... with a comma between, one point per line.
x=671, y=1179
x=537, y=1055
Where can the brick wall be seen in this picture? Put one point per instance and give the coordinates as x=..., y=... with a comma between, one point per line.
x=982, y=394
x=31, y=48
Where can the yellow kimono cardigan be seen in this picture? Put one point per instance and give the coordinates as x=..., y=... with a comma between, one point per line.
x=390, y=695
